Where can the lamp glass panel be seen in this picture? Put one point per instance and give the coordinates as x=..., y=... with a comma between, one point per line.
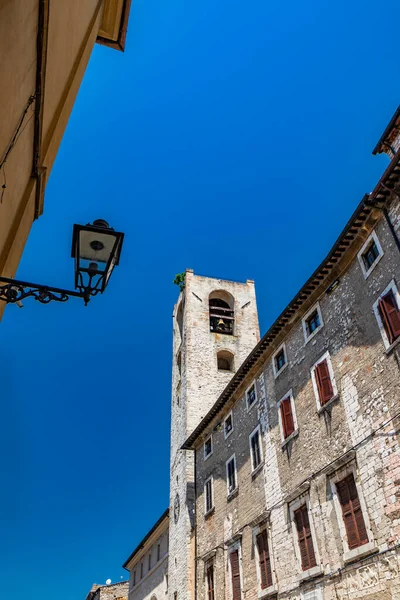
x=95, y=246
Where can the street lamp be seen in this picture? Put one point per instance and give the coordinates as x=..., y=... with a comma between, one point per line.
x=96, y=249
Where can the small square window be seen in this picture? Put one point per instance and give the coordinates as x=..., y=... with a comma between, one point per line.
x=370, y=254
x=228, y=425
x=279, y=360
x=251, y=395
x=312, y=323
x=208, y=447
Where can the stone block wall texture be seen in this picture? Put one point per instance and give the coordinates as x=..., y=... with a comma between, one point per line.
x=154, y=583
x=116, y=591
x=359, y=431
x=196, y=383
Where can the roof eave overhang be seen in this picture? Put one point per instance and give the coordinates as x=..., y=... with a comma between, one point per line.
x=161, y=521
x=391, y=125
x=114, y=25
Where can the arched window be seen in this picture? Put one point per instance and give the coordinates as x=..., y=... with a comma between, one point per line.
x=221, y=312
x=225, y=361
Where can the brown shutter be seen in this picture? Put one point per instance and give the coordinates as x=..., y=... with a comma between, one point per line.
x=324, y=383
x=307, y=553
x=235, y=573
x=210, y=582
x=265, y=560
x=287, y=417
x=352, y=513
x=390, y=315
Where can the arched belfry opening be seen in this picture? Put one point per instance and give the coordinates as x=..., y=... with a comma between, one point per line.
x=225, y=361
x=221, y=306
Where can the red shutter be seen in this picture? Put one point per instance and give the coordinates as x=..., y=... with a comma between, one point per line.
x=210, y=582
x=352, y=513
x=307, y=553
x=235, y=573
x=287, y=417
x=390, y=315
x=265, y=560
x=324, y=383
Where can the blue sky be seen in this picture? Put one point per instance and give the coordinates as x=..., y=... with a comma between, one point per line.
x=231, y=138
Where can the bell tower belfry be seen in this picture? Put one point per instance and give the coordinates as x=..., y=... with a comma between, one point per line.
x=215, y=328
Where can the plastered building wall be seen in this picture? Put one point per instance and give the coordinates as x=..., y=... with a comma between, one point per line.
x=358, y=433
x=154, y=583
x=45, y=47
x=196, y=383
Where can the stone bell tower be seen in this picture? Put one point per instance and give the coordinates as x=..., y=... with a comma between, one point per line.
x=215, y=328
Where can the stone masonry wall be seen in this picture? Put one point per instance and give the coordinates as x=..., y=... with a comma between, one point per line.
x=358, y=433
x=154, y=583
x=196, y=384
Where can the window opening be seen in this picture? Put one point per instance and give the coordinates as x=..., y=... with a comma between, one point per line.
x=251, y=395
x=210, y=582
x=235, y=575
x=313, y=322
x=390, y=315
x=324, y=382
x=280, y=360
x=307, y=554
x=287, y=417
x=209, y=495
x=221, y=316
x=352, y=514
x=255, y=449
x=264, y=560
x=370, y=255
x=208, y=447
x=231, y=474
x=225, y=361
x=228, y=425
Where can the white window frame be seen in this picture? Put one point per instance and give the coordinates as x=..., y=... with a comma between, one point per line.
x=326, y=357
x=349, y=555
x=272, y=588
x=284, y=440
x=226, y=435
x=372, y=238
x=392, y=286
x=304, y=499
x=207, y=456
x=207, y=511
x=253, y=433
x=250, y=406
x=229, y=493
x=307, y=337
x=274, y=365
x=236, y=546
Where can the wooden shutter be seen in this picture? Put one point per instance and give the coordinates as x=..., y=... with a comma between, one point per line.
x=352, y=513
x=390, y=316
x=265, y=560
x=287, y=417
x=324, y=383
x=307, y=554
x=235, y=573
x=210, y=582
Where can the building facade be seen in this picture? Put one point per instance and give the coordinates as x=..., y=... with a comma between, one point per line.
x=45, y=49
x=285, y=458
x=115, y=591
x=148, y=564
x=299, y=498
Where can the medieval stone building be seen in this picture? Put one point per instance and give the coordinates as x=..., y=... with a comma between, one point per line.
x=285, y=459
